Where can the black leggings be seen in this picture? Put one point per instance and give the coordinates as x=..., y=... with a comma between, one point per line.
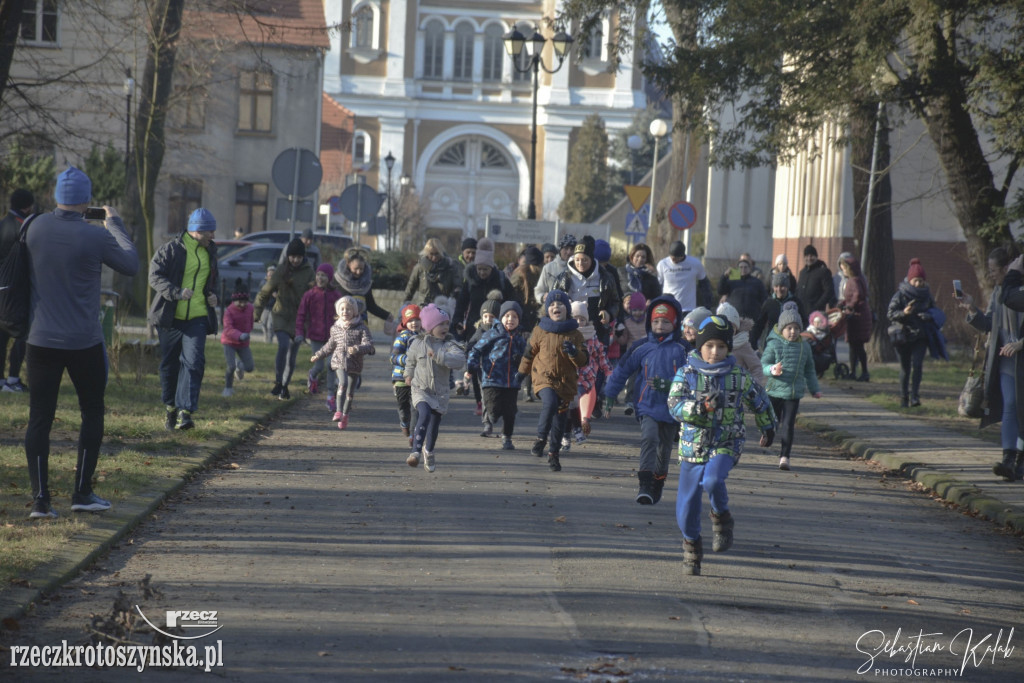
x=785, y=411
x=87, y=369
x=858, y=355
x=500, y=404
x=911, y=366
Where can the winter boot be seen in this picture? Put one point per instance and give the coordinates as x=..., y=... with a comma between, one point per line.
x=1018, y=470
x=1004, y=469
x=538, y=447
x=553, y=464
x=657, y=485
x=904, y=402
x=693, y=553
x=721, y=525
x=646, y=495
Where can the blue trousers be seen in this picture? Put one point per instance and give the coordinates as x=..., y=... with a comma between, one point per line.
x=284, y=362
x=428, y=422
x=694, y=479
x=554, y=414
x=233, y=358
x=182, y=363
x=321, y=365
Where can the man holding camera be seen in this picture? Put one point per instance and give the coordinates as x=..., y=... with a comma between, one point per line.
x=66, y=257
x=183, y=273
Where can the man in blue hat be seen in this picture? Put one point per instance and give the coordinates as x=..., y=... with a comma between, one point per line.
x=66, y=257
x=183, y=273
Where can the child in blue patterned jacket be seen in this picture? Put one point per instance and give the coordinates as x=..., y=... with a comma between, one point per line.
x=788, y=362
x=496, y=357
x=708, y=397
x=408, y=327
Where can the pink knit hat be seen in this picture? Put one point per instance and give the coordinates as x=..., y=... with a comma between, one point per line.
x=431, y=316
x=637, y=301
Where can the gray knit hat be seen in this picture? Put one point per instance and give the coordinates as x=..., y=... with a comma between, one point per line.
x=789, y=316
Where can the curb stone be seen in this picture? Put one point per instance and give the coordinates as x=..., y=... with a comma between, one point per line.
x=947, y=487
x=85, y=548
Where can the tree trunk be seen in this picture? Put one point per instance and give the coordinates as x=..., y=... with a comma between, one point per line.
x=879, y=267
x=148, y=155
x=10, y=22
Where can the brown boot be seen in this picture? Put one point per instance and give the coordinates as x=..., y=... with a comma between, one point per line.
x=693, y=553
x=722, y=526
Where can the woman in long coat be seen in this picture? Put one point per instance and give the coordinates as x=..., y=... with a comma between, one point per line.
x=436, y=274
x=858, y=312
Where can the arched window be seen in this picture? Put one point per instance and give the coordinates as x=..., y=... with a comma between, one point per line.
x=596, y=47
x=433, y=50
x=360, y=148
x=494, y=52
x=454, y=155
x=362, y=28
x=463, y=65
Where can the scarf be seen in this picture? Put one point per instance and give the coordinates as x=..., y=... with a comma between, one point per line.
x=722, y=367
x=357, y=286
x=636, y=283
x=560, y=327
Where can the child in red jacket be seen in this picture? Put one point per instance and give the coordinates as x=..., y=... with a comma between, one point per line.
x=313, y=323
x=234, y=338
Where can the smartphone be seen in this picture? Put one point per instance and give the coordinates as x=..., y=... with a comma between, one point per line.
x=958, y=291
x=95, y=213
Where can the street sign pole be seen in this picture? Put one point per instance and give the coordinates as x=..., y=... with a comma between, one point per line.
x=295, y=191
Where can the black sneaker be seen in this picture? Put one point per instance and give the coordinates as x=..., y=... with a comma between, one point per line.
x=276, y=391
x=285, y=394
x=41, y=510
x=170, y=418
x=184, y=421
x=553, y=463
x=89, y=503
x=538, y=447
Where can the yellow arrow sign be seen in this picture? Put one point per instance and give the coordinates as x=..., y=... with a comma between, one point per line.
x=638, y=195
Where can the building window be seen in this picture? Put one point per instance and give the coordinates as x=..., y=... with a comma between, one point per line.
x=595, y=49
x=491, y=157
x=361, y=147
x=251, y=206
x=362, y=22
x=188, y=106
x=454, y=155
x=255, y=101
x=494, y=52
x=463, y=66
x=39, y=22
x=433, y=50
x=186, y=196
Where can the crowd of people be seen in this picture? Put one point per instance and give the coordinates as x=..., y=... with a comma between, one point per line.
x=560, y=325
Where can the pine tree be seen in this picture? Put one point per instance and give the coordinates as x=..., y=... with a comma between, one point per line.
x=587, y=191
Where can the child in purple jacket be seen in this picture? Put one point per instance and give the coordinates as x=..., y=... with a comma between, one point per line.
x=238, y=322
x=313, y=323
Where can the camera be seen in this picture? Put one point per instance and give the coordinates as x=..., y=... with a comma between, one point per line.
x=958, y=291
x=95, y=213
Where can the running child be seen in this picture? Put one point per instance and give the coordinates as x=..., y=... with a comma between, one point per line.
x=708, y=396
x=586, y=391
x=238, y=324
x=313, y=324
x=489, y=310
x=350, y=340
x=496, y=356
x=634, y=329
x=432, y=358
x=408, y=327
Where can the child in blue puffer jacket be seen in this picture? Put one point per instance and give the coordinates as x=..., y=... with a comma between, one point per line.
x=788, y=362
x=655, y=363
x=496, y=358
x=408, y=327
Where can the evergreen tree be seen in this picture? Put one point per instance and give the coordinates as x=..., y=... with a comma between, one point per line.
x=587, y=191
x=106, y=170
x=22, y=168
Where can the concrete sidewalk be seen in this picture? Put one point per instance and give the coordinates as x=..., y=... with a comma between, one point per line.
x=955, y=466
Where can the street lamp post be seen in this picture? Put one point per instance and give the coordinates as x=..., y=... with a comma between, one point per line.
x=129, y=89
x=515, y=43
x=389, y=161
x=658, y=130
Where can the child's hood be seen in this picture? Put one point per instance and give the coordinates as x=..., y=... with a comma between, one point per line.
x=677, y=332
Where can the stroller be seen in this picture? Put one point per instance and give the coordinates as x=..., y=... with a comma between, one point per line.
x=823, y=348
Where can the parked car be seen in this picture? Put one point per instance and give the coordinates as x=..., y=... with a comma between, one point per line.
x=225, y=247
x=333, y=240
x=249, y=263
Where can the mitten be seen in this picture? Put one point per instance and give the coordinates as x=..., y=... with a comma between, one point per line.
x=518, y=379
x=243, y=336
x=569, y=348
x=767, y=437
x=299, y=339
x=609, y=403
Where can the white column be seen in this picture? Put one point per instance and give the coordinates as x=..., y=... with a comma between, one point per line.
x=392, y=139
x=395, y=84
x=332, y=61
x=556, y=170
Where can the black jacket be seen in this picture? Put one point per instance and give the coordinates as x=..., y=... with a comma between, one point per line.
x=815, y=287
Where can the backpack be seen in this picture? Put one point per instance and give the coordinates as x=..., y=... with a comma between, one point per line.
x=15, y=286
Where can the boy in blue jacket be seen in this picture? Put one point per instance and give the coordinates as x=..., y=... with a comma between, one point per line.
x=788, y=362
x=708, y=396
x=408, y=327
x=655, y=362
x=496, y=358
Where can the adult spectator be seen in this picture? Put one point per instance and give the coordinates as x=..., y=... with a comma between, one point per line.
x=858, y=315
x=10, y=227
x=909, y=308
x=523, y=281
x=782, y=266
x=482, y=276
x=603, y=256
x=288, y=284
x=312, y=253
x=511, y=266
x=734, y=272
x=183, y=274
x=583, y=280
x=555, y=267
x=436, y=274
x=745, y=292
x=467, y=254
x=66, y=256
x=640, y=274
x=549, y=252
x=354, y=278
x=684, y=278
x=838, y=279
x=814, y=286
x=771, y=309
x=1004, y=362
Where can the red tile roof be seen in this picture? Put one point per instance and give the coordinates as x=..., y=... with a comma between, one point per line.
x=291, y=23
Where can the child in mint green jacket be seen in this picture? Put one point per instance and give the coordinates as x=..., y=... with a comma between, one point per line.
x=789, y=373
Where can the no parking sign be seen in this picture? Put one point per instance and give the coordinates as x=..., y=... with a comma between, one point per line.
x=682, y=215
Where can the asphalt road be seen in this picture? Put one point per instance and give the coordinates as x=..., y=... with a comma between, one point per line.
x=327, y=558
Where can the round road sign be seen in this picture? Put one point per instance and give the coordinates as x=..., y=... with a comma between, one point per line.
x=682, y=215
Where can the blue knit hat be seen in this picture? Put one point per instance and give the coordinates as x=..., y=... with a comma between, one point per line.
x=73, y=187
x=510, y=306
x=201, y=219
x=558, y=295
x=602, y=251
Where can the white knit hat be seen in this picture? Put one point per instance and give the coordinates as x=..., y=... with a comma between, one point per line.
x=729, y=312
x=579, y=310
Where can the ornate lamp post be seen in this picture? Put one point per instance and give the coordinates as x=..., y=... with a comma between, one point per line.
x=515, y=43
